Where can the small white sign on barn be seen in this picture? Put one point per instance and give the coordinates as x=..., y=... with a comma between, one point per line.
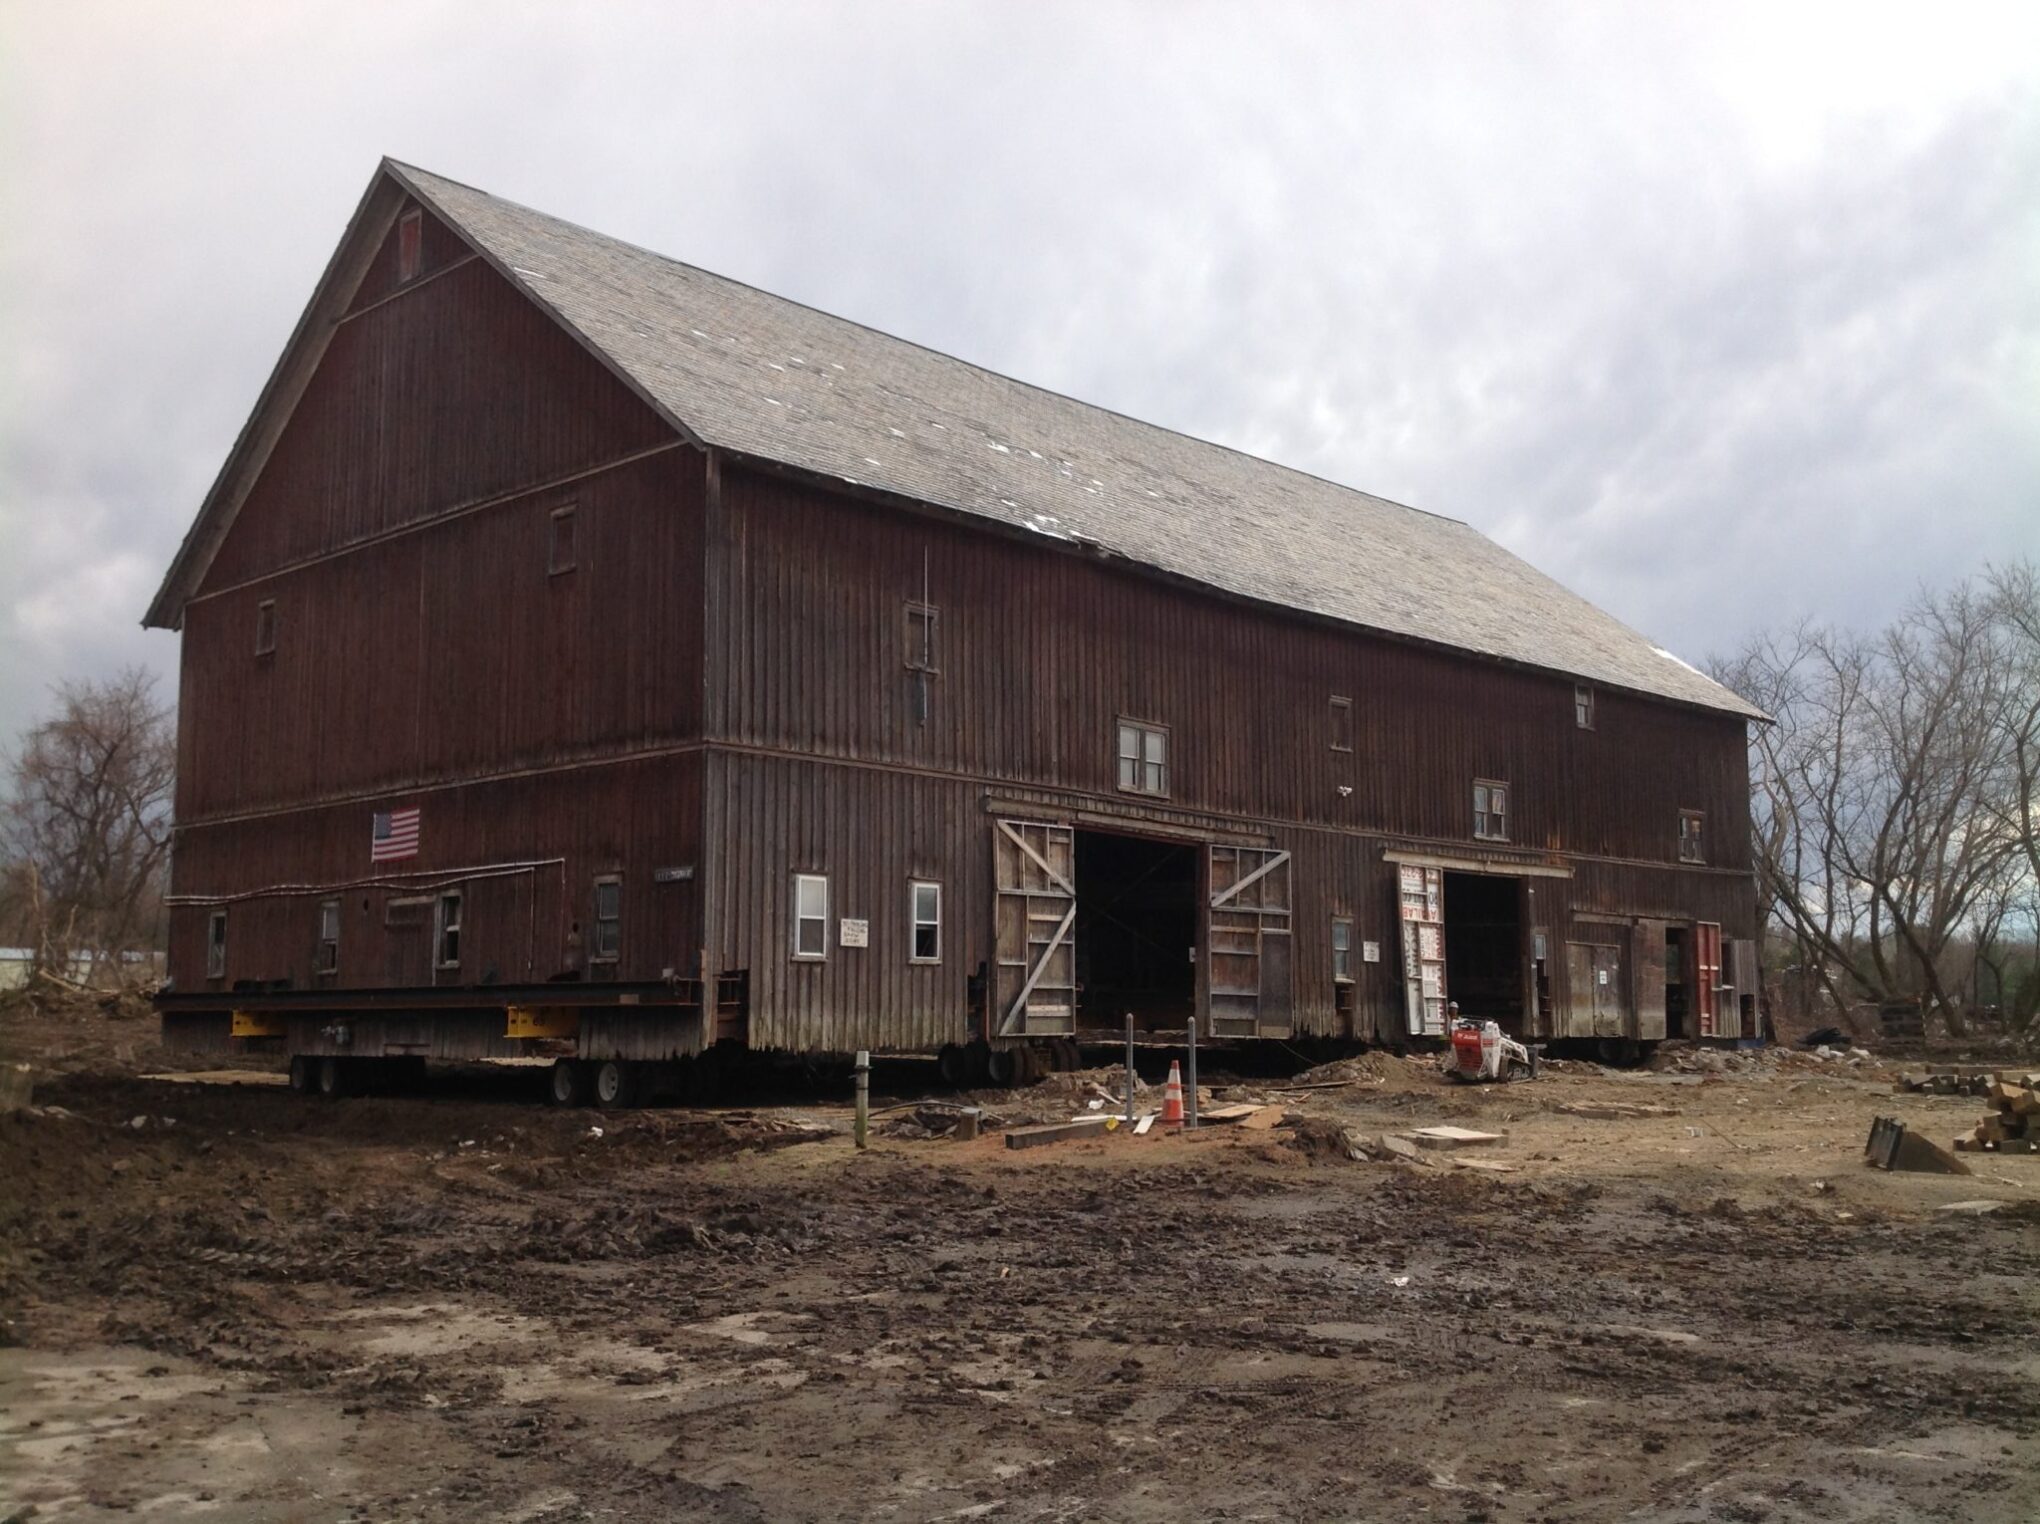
x=853, y=933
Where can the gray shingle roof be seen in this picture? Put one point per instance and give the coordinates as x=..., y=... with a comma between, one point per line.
x=762, y=376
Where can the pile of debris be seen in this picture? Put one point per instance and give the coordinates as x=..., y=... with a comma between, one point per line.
x=2013, y=1126
x=1953, y=1079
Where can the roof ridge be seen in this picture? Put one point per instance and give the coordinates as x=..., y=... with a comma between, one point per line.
x=940, y=354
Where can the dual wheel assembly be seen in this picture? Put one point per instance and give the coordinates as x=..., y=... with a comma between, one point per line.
x=332, y=1076
x=609, y=1083
x=979, y=1063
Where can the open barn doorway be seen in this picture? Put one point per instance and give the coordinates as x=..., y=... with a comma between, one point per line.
x=1484, y=947
x=1136, y=931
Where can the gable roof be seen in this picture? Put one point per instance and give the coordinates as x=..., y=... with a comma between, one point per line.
x=757, y=375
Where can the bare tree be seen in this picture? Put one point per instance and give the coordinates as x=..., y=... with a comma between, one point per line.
x=87, y=829
x=1892, y=791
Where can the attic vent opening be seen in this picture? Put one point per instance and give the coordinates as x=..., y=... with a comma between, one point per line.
x=410, y=240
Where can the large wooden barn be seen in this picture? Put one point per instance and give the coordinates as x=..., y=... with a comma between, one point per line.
x=582, y=648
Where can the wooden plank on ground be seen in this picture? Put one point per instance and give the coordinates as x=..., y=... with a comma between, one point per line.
x=1055, y=1132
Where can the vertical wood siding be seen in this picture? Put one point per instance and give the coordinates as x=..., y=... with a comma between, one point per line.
x=1039, y=654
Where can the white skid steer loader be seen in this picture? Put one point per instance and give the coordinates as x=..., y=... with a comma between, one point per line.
x=1481, y=1052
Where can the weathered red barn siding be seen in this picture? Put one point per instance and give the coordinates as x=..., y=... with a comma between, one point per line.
x=425, y=653
x=524, y=851
x=1040, y=652
x=454, y=391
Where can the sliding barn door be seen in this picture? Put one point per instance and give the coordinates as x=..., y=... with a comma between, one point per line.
x=1034, y=986
x=1248, y=965
x=1421, y=904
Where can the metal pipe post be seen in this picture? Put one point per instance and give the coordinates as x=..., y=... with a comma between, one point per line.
x=1190, y=1097
x=862, y=1075
x=1129, y=1066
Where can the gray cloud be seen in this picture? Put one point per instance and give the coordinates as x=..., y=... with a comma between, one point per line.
x=1720, y=316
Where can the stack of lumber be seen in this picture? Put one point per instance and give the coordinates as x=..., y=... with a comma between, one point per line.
x=1952, y=1079
x=2013, y=1126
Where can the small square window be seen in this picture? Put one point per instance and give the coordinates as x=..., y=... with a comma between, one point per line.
x=410, y=244
x=1583, y=706
x=1342, y=949
x=1143, y=758
x=925, y=902
x=1692, y=846
x=608, y=943
x=921, y=637
x=1490, y=810
x=449, y=925
x=329, y=938
x=1342, y=724
x=810, y=915
x=265, y=627
x=562, y=550
x=216, y=945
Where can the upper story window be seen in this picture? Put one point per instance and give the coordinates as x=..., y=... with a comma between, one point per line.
x=1691, y=846
x=1342, y=724
x=608, y=942
x=1583, y=706
x=1490, y=810
x=265, y=627
x=810, y=915
x=447, y=940
x=216, y=945
x=562, y=548
x=410, y=244
x=1342, y=949
x=328, y=960
x=1143, y=757
x=919, y=632
x=925, y=903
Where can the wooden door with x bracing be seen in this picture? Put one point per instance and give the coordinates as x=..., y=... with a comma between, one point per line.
x=1034, y=980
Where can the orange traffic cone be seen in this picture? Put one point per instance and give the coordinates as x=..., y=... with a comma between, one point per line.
x=1172, y=1097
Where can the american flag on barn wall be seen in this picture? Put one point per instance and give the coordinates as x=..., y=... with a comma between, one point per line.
x=395, y=835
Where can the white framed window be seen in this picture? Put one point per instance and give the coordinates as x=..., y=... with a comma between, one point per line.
x=1143, y=757
x=562, y=552
x=1342, y=949
x=328, y=961
x=216, y=945
x=265, y=627
x=607, y=944
x=1692, y=841
x=1490, y=810
x=1583, y=706
x=924, y=903
x=810, y=915
x=446, y=937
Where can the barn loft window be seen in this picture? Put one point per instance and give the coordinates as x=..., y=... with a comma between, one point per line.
x=1342, y=949
x=920, y=656
x=216, y=945
x=1143, y=758
x=410, y=241
x=1490, y=810
x=265, y=627
x=1691, y=846
x=925, y=903
x=328, y=960
x=447, y=939
x=608, y=943
x=1583, y=706
x=562, y=552
x=810, y=915
x=1342, y=724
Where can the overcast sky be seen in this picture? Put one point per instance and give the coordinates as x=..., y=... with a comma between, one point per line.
x=1723, y=317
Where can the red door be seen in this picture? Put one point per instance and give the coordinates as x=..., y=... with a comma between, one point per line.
x=1707, y=975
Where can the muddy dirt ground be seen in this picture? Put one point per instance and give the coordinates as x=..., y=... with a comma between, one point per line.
x=224, y=1301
